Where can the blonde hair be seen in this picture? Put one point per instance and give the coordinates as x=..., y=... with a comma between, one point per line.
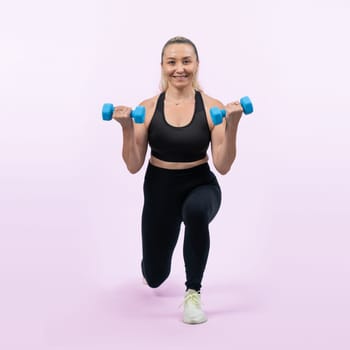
x=179, y=40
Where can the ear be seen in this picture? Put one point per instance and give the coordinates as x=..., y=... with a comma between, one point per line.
x=197, y=67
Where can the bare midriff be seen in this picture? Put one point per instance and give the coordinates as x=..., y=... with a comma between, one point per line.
x=176, y=165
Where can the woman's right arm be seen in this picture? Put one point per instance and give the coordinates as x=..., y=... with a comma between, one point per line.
x=135, y=137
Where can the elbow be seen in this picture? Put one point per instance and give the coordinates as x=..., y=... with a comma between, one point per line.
x=224, y=167
x=133, y=169
x=223, y=170
x=133, y=165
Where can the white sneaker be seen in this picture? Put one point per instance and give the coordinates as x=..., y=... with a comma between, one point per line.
x=193, y=314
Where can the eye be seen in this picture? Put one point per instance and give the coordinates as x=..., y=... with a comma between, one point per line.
x=187, y=61
x=171, y=62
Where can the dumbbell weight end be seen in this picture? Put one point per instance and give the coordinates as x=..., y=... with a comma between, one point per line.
x=247, y=105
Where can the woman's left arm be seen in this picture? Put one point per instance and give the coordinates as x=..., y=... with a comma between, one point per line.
x=223, y=137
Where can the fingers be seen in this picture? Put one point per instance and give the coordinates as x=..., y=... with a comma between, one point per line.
x=121, y=108
x=233, y=104
x=121, y=112
x=234, y=107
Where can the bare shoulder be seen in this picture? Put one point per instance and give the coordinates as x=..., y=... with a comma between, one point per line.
x=150, y=105
x=211, y=101
x=150, y=102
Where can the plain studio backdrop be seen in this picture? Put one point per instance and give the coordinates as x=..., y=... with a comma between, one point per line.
x=278, y=270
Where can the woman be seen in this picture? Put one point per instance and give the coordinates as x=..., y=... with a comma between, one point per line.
x=179, y=185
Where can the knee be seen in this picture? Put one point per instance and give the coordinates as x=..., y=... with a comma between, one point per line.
x=195, y=215
x=154, y=277
x=154, y=283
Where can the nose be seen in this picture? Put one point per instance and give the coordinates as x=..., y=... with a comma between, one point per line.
x=179, y=67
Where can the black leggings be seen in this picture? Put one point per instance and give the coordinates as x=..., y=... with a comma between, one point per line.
x=192, y=196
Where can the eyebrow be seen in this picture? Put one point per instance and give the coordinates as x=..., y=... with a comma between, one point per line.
x=173, y=58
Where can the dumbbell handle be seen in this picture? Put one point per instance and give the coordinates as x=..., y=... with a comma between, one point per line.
x=138, y=114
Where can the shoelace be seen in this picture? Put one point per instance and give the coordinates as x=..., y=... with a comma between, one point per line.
x=191, y=297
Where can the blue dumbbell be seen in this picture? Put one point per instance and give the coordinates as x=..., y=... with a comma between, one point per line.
x=218, y=114
x=138, y=114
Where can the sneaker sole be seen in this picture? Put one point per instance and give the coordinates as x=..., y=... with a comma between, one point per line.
x=189, y=321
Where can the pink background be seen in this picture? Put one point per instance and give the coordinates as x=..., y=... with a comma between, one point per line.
x=278, y=271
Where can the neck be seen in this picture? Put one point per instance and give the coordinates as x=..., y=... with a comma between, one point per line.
x=178, y=96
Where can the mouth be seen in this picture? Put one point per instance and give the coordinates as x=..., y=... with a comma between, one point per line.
x=180, y=76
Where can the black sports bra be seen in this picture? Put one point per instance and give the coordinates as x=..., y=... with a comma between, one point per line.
x=179, y=144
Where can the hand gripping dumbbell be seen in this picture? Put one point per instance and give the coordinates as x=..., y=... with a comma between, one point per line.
x=138, y=114
x=218, y=114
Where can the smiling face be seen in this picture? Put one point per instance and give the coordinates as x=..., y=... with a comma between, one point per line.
x=179, y=65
